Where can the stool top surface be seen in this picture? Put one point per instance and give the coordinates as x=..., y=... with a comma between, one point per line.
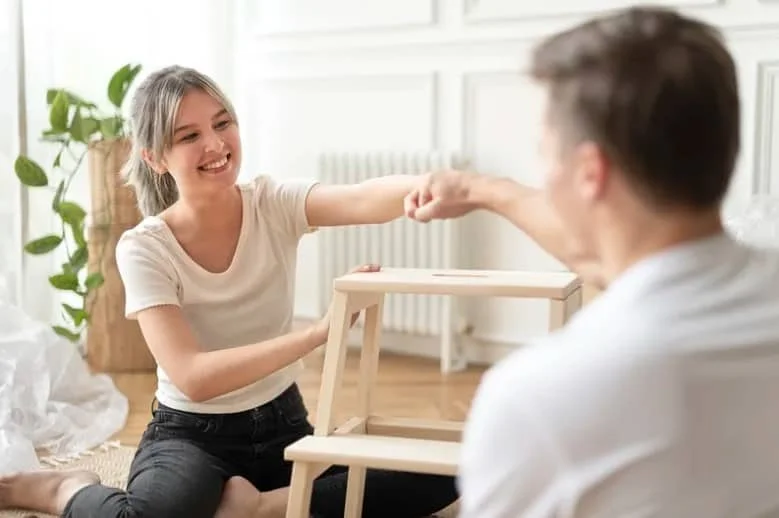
x=495, y=283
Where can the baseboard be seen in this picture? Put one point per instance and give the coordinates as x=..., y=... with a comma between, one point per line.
x=477, y=351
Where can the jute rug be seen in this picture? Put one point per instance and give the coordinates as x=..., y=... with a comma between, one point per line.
x=112, y=462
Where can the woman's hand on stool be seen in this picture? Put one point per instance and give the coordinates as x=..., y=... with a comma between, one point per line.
x=323, y=326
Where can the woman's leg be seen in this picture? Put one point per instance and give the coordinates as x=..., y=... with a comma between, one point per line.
x=45, y=491
x=167, y=479
x=174, y=473
x=387, y=494
x=390, y=494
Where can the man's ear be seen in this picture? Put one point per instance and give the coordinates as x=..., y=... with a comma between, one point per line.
x=592, y=170
x=158, y=167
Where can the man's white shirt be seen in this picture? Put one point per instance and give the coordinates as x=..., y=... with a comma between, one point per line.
x=659, y=399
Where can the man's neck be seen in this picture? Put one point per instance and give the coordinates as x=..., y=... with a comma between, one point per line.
x=627, y=241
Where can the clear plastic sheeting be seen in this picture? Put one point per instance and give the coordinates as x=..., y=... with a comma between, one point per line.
x=50, y=402
x=758, y=223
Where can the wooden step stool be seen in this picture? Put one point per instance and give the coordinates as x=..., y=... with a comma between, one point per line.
x=371, y=442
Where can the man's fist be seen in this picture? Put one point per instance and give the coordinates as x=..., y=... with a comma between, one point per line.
x=440, y=195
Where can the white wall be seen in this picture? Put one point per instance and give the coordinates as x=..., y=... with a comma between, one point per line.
x=78, y=44
x=349, y=75
x=10, y=209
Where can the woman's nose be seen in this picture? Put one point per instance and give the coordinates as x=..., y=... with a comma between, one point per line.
x=214, y=142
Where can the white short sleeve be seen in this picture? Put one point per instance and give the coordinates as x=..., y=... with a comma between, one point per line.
x=148, y=278
x=509, y=464
x=283, y=203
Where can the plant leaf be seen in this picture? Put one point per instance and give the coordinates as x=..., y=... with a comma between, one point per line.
x=64, y=281
x=94, y=280
x=72, y=98
x=81, y=128
x=58, y=113
x=78, y=233
x=66, y=333
x=120, y=82
x=51, y=135
x=78, y=260
x=43, y=245
x=55, y=203
x=76, y=131
x=90, y=126
x=29, y=172
x=111, y=127
x=71, y=212
x=77, y=315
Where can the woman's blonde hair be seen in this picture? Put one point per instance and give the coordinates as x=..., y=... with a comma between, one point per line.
x=153, y=112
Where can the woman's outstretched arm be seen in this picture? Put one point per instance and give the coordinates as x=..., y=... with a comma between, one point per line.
x=377, y=200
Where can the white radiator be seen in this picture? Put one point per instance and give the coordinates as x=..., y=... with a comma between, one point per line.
x=401, y=243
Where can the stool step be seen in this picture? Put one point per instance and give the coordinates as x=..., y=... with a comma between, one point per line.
x=378, y=452
x=492, y=283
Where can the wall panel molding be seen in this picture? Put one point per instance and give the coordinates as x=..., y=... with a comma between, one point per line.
x=481, y=11
x=427, y=82
x=766, y=172
x=272, y=18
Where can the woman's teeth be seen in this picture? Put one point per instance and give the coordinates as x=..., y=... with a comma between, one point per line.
x=215, y=165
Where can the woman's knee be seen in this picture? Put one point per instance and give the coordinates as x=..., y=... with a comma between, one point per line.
x=174, y=479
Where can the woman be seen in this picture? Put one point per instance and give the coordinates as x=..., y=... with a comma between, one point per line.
x=209, y=275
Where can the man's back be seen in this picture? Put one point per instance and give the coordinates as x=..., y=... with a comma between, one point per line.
x=659, y=399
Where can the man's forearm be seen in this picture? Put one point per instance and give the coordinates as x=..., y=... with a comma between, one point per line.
x=529, y=210
x=523, y=206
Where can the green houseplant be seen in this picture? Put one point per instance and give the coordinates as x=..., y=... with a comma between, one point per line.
x=76, y=124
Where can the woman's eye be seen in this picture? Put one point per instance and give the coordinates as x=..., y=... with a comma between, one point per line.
x=222, y=124
x=189, y=137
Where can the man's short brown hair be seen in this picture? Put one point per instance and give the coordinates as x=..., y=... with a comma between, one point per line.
x=658, y=92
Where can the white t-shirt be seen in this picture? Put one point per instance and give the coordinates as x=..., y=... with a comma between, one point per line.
x=250, y=302
x=659, y=399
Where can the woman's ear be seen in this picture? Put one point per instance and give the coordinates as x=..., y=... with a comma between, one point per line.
x=158, y=167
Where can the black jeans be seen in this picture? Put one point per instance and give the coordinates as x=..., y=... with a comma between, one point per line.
x=184, y=459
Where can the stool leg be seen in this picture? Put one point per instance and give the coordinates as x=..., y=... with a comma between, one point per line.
x=355, y=489
x=335, y=360
x=561, y=310
x=557, y=311
x=369, y=365
x=575, y=302
x=301, y=485
x=369, y=357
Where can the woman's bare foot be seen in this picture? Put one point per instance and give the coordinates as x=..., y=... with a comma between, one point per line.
x=240, y=499
x=45, y=491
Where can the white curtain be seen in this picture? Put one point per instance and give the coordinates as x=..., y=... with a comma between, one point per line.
x=10, y=206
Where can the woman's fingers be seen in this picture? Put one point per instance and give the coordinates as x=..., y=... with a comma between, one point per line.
x=367, y=268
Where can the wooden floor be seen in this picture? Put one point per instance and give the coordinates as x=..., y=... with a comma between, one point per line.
x=407, y=387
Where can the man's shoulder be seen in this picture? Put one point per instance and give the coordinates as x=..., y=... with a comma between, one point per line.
x=585, y=363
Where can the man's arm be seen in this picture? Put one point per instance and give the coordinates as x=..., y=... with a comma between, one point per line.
x=508, y=464
x=450, y=194
x=523, y=206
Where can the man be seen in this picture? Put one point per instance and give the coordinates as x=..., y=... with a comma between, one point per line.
x=659, y=399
